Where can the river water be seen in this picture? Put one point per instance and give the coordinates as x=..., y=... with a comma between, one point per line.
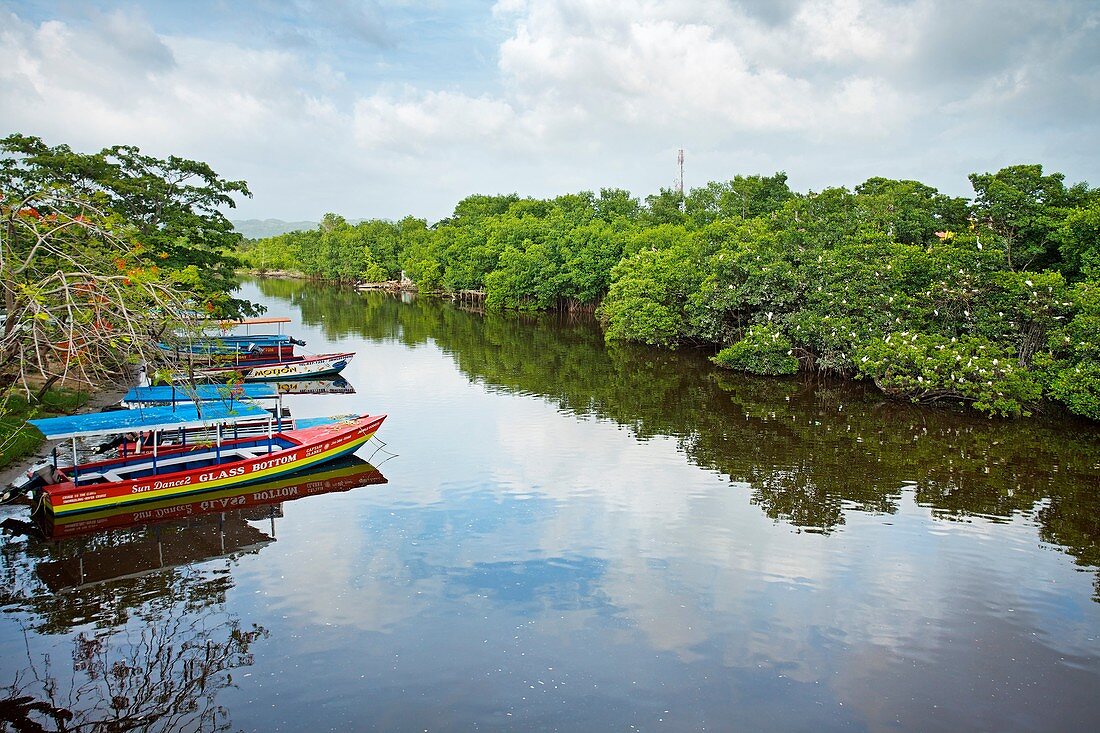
x=579, y=537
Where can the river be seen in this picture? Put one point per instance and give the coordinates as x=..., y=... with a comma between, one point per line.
x=581, y=537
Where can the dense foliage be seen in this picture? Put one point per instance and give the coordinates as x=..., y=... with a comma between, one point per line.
x=101, y=255
x=991, y=302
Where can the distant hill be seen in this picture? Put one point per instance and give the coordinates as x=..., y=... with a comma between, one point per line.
x=259, y=228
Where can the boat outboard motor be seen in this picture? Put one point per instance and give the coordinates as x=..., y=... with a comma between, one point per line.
x=43, y=474
x=297, y=342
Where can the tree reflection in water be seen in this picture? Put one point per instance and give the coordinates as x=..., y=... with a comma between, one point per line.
x=161, y=644
x=809, y=452
x=162, y=674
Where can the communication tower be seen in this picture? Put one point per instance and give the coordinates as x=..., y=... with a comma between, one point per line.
x=680, y=161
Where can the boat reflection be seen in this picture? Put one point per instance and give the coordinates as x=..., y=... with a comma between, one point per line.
x=336, y=385
x=174, y=533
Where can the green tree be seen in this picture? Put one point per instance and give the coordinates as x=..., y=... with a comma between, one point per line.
x=665, y=207
x=174, y=205
x=764, y=350
x=649, y=294
x=101, y=255
x=1023, y=208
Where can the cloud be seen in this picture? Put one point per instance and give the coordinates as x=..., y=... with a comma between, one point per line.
x=387, y=108
x=589, y=72
x=415, y=121
x=647, y=66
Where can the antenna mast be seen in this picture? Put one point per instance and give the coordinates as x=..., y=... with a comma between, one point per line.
x=680, y=161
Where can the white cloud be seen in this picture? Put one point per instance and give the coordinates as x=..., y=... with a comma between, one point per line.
x=582, y=94
x=415, y=121
x=643, y=65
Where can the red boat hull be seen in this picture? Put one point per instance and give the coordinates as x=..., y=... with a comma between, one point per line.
x=296, y=450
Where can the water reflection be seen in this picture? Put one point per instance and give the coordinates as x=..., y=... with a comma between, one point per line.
x=164, y=675
x=810, y=453
x=245, y=503
x=578, y=537
x=154, y=644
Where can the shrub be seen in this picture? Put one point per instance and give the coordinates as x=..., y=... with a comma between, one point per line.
x=928, y=368
x=1078, y=386
x=763, y=350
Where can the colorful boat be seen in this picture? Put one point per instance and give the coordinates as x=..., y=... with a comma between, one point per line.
x=270, y=371
x=261, y=347
x=259, y=393
x=236, y=346
x=183, y=470
x=163, y=395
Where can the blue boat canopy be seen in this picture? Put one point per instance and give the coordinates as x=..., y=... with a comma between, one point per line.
x=204, y=392
x=191, y=415
x=210, y=348
x=259, y=338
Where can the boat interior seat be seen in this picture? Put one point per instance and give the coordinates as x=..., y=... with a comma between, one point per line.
x=124, y=473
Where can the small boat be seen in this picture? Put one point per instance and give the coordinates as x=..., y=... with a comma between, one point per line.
x=252, y=393
x=265, y=347
x=186, y=468
x=241, y=347
x=291, y=368
x=163, y=395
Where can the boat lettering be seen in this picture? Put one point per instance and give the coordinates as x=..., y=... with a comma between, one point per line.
x=222, y=503
x=275, y=493
x=224, y=473
x=313, y=451
x=279, y=461
x=272, y=371
x=158, y=485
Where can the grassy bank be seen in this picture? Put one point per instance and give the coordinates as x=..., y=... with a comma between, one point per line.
x=17, y=439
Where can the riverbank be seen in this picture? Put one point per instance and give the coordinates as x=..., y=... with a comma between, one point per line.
x=393, y=286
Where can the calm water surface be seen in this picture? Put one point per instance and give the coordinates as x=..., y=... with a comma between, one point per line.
x=575, y=537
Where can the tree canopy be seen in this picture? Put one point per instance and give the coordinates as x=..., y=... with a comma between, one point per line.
x=989, y=301
x=102, y=254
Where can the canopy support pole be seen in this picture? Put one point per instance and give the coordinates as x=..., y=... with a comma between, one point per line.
x=76, y=465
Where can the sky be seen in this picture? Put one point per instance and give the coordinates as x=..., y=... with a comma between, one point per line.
x=384, y=108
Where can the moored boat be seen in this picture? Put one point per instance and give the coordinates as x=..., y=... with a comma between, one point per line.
x=138, y=397
x=291, y=368
x=262, y=347
x=181, y=470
